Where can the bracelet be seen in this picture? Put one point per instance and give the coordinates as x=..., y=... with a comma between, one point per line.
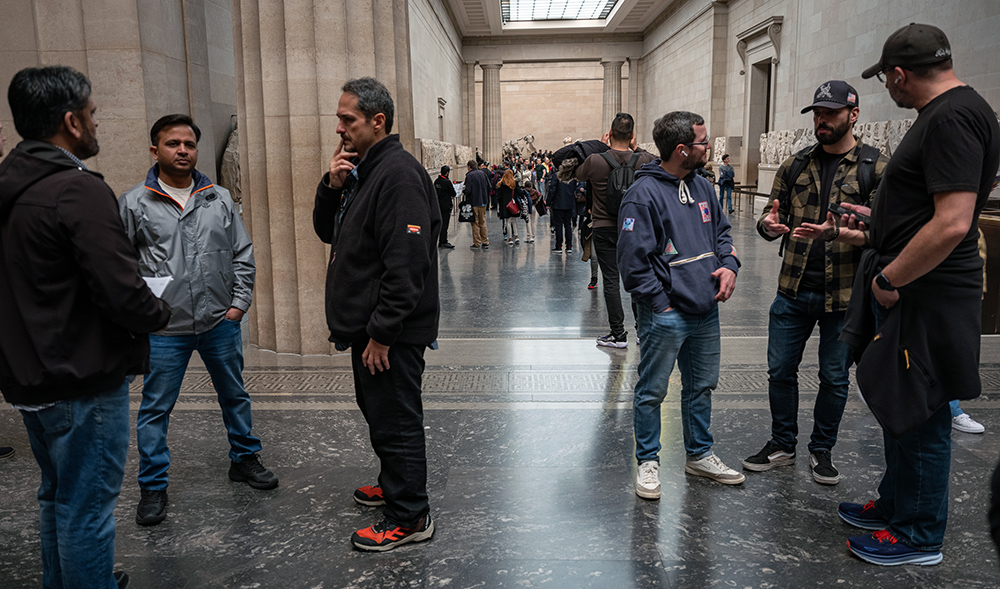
x=835, y=233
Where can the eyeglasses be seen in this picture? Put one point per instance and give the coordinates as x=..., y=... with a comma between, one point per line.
x=706, y=143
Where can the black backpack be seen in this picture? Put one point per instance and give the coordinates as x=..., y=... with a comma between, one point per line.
x=620, y=178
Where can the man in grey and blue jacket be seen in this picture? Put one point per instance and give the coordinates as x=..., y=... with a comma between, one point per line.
x=188, y=231
x=678, y=262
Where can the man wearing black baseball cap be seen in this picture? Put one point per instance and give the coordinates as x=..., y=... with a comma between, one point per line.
x=923, y=270
x=817, y=269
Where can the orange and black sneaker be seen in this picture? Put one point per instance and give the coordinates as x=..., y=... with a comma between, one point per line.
x=386, y=535
x=370, y=495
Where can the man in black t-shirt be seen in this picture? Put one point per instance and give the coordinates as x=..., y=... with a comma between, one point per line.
x=816, y=275
x=924, y=265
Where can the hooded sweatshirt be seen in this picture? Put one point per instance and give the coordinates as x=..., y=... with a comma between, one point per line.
x=73, y=310
x=671, y=237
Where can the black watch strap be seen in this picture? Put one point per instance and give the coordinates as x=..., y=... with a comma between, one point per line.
x=884, y=283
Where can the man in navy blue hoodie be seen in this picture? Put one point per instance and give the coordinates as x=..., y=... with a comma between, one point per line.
x=678, y=262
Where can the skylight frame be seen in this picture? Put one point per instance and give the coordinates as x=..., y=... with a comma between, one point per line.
x=525, y=11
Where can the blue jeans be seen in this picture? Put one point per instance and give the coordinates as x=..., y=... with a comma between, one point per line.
x=913, y=494
x=221, y=349
x=80, y=446
x=955, y=409
x=790, y=325
x=726, y=190
x=693, y=341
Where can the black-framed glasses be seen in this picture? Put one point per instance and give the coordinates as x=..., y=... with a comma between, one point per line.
x=706, y=143
x=880, y=76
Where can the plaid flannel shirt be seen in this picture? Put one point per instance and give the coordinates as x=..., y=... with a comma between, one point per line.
x=802, y=206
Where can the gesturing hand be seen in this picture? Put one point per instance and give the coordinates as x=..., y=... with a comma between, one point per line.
x=772, y=223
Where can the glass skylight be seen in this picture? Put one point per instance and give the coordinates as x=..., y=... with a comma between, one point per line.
x=529, y=10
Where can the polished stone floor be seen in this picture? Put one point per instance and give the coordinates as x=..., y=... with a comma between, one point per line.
x=530, y=461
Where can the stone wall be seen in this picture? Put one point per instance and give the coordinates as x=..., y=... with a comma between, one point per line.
x=436, y=58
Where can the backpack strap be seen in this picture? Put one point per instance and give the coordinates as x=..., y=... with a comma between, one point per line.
x=866, y=171
x=633, y=160
x=611, y=161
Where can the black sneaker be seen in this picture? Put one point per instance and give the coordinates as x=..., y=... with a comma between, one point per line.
x=569, y=250
x=864, y=516
x=824, y=472
x=593, y=284
x=253, y=473
x=386, y=535
x=614, y=341
x=6, y=452
x=121, y=578
x=152, y=507
x=770, y=456
x=486, y=246
x=370, y=495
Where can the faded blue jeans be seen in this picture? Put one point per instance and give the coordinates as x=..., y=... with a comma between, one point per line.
x=80, y=445
x=693, y=341
x=221, y=349
x=790, y=324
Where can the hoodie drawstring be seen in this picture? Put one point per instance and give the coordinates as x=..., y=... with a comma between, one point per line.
x=683, y=194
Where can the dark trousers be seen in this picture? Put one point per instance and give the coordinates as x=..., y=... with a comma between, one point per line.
x=390, y=402
x=445, y=220
x=561, y=219
x=606, y=244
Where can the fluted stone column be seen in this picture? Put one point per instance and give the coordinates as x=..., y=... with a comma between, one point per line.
x=612, y=91
x=492, y=132
x=294, y=56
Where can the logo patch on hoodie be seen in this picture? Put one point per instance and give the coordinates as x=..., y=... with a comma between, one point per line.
x=706, y=215
x=628, y=224
x=413, y=229
x=671, y=250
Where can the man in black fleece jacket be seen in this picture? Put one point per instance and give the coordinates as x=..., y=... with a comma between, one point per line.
x=378, y=210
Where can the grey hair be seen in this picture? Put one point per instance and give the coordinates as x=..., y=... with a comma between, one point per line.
x=373, y=98
x=673, y=129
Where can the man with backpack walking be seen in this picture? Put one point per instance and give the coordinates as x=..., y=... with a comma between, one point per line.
x=817, y=273
x=610, y=174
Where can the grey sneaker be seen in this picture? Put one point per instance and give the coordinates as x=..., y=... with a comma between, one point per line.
x=614, y=341
x=824, y=472
x=770, y=456
x=712, y=468
x=647, y=482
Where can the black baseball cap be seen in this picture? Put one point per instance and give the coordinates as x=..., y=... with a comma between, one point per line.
x=912, y=45
x=834, y=94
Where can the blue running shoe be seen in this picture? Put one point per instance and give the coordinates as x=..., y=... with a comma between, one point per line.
x=884, y=549
x=862, y=516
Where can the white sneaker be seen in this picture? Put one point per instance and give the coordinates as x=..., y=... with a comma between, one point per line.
x=964, y=423
x=713, y=468
x=647, y=482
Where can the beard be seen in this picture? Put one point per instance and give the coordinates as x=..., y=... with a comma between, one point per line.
x=88, y=146
x=836, y=133
x=693, y=162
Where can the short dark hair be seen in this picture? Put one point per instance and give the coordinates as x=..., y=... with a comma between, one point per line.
x=931, y=70
x=725, y=157
x=171, y=121
x=471, y=164
x=373, y=98
x=39, y=98
x=673, y=129
x=622, y=127
x=445, y=170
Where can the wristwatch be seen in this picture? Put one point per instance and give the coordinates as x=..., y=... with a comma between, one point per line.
x=884, y=283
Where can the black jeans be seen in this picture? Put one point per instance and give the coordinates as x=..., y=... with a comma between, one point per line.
x=606, y=244
x=390, y=402
x=561, y=221
x=445, y=220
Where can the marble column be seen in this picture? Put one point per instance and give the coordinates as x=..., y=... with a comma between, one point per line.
x=294, y=56
x=492, y=132
x=612, y=91
x=469, y=101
